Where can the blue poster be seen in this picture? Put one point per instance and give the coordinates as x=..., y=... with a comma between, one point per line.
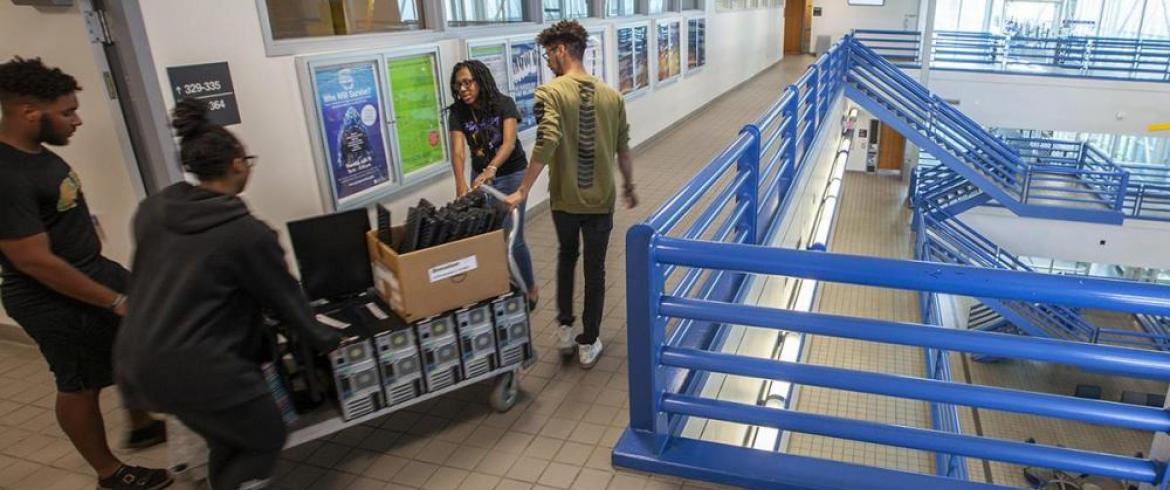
x=350, y=107
x=525, y=77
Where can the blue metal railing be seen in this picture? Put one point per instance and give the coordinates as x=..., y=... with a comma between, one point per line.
x=657, y=405
x=1092, y=57
x=1071, y=173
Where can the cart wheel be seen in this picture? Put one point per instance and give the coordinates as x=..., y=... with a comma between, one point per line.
x=505, y=393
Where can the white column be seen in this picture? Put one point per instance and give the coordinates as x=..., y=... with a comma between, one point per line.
x=927, y=40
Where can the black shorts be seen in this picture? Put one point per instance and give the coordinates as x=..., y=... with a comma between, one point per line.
x=76, y=339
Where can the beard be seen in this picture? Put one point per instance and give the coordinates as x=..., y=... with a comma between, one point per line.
x=50, y=136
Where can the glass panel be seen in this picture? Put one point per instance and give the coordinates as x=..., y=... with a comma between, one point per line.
x=479, y=12
x=1121, y=18
x=1156, y=23
x=566, y=9
x=618, y=8
x=971, y=15
x=1083, y=18
x=1030, y=18
x=291, y=19
x=946, y=15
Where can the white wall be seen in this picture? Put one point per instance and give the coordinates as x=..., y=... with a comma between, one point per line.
x=1137, y=243
x=1063, y=104
x=838, y=18
x=59, y=38
x=274, y=126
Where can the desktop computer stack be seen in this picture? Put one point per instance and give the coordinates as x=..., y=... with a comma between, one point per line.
x=388, y=362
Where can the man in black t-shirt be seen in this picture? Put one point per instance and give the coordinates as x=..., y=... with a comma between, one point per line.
x=56, y=284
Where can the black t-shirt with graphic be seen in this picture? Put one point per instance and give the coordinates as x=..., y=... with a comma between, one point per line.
x=40, y=193
x=485, y=134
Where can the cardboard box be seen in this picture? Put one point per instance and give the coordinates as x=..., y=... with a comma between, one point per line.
x=435, y=280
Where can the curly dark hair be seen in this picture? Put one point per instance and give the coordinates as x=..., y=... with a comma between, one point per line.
x=568, y=33
x=32, y=79
x=206, y=149
x=489, y=93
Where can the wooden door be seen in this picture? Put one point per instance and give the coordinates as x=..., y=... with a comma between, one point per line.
x=794, y=25
x=891, y=149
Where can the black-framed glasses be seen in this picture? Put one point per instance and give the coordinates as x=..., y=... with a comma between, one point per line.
x=458, y=84
x=548, y=52
x=250, y=160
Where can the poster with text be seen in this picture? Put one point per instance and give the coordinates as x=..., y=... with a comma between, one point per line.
x=633, y=58
x=350, y=110
x=495, y=56
x=525, y=77
x=625, y=37
x=668, y=50
x=414, y=89
x=641, y=57
x=675, y=49
x=696, y=43
x=594, y=59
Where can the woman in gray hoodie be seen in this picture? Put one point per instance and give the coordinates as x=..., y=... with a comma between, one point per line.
x=193, y=340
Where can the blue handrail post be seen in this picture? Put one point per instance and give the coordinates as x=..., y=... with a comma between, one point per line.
x=645, y=334
x=749, y=164
x=814, y=100
x=790, y=114
x=1119, y=199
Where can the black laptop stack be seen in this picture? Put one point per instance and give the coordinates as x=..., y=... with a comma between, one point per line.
x=427, y=226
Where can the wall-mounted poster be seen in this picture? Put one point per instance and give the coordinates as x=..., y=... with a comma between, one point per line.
x=414, y=90
x=495, y=56
x=696, y=43
x=349, y=107
x=594, y=59
x=669, y=50
x=525, y=78
x=633, y=58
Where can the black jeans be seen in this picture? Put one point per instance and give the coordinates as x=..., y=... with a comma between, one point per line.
x=595, y=229
x=244, y=442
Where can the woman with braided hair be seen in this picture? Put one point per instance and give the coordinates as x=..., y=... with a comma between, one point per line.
x=484, y=120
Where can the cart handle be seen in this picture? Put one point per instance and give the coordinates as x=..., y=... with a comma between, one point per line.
x=513, y=267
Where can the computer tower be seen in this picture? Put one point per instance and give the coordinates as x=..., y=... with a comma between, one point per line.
x=398, y=359
x=439, y=346
x=477, y=340
x=355, y=373
x=513, y=335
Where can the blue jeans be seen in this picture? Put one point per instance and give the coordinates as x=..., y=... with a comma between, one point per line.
x=508, y=184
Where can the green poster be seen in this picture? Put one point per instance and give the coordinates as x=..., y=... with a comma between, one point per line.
x=415, y=93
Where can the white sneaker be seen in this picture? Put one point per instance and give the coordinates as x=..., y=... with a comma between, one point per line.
x=566, y=341
x=588, y=354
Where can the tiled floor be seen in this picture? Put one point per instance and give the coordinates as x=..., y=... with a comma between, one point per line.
x=872, y=221
x=561, y=433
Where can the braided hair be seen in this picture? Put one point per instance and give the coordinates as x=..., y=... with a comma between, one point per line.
x=206, y=149
x=489, y=94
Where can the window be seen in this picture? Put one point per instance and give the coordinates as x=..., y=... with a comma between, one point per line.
x=567, y=9
x=291, y=19
x=461, y=13
x=619, y=8
x=961, y=15
x=1030, y=18
x=694, y=5
x=1084, y=18
x=660, y=6
x=1121, y=18
x=1156, y=23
